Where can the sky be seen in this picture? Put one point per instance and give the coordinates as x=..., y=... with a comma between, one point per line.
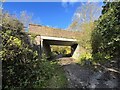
x=53, y=14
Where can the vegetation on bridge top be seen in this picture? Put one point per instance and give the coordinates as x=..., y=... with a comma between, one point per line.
x=53, y=32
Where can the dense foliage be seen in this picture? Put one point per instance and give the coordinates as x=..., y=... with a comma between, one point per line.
x=85, y=38
x=106, y=36
x=60, y=50
x=20, y=63
x=84, y=41
x=99, y=40
x=17, y=55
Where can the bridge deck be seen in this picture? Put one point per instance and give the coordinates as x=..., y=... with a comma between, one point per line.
x=59, y=41
x=53, y=32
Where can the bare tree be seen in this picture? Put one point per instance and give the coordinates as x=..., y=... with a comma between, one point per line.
x=26, y=19
x=86, y=13
x=83, y=21
x=1, y=8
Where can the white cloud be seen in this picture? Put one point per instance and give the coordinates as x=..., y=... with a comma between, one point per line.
x=65, y=3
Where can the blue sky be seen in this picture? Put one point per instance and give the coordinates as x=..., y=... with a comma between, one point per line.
x=55, y=14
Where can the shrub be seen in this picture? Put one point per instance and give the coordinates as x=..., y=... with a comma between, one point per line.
x=85, y=58
x=61, y=50
x=20, y=64
x=18, y=58
x=106, y=36
x=51, y=75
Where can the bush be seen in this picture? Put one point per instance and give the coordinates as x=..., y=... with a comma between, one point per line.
x=51, y=76
x=106, y=36
x=20, y=63
x=18, y=58
x=61, y=50
x=85, y=59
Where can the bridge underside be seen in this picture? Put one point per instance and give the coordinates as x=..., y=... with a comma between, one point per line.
x=45, y=42
x=59, y=42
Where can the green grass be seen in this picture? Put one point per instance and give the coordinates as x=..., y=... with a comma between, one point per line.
x=56, y=74
x=59, y=79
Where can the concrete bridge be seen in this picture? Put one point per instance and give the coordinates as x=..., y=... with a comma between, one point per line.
x=46, y=36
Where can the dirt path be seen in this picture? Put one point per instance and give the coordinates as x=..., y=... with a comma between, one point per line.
x=77, y=76
x=81, y=77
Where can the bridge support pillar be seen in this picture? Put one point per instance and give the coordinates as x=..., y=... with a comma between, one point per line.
x=47, y=49
x=75, y=50
x=38, y=45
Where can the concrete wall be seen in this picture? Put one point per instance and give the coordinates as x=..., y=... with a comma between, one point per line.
x=76, y=53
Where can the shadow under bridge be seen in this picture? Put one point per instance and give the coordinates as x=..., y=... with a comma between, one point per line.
x=46, y=43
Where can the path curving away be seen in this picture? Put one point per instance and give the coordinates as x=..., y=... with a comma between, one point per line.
x=82, y=77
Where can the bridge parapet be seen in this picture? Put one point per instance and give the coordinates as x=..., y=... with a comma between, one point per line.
x=53, y=32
